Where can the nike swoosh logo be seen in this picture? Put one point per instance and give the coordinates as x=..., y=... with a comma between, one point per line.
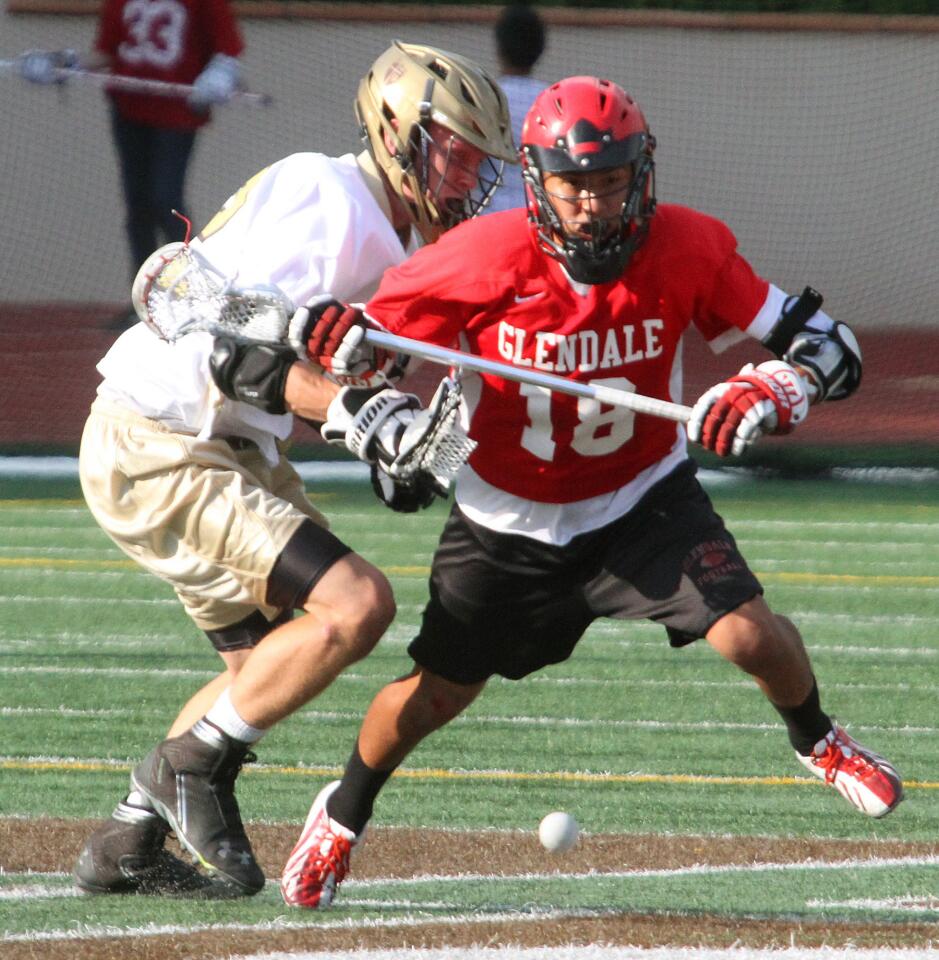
x=533, y=296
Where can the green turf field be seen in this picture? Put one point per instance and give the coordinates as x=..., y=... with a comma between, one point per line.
x=629, y=735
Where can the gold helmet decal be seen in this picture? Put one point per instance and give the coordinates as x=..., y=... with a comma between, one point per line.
x=408, y=87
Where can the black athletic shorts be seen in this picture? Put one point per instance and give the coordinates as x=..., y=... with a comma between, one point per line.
x=506, y=604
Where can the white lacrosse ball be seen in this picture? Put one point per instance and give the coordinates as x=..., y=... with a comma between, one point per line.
x=558, y=832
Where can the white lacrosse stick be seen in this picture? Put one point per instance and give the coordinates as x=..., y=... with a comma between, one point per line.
x=178, y=291
x=122, y=84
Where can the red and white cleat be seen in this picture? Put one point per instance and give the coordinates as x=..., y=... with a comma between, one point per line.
x=320, y=860
x=864, y=779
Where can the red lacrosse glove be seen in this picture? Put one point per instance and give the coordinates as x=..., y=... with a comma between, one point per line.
x=729, y=417
x=332, y=334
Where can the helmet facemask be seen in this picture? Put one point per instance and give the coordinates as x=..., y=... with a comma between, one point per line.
x=596, y=250
x=468, y=201
x=410, y=99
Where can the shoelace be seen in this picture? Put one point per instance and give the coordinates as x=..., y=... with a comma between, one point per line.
x=225, y=779
x=319, y=865
x=834, y=760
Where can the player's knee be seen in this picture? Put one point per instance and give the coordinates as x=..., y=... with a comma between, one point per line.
x=751, y=637
x=367, y=613
x=353, y=617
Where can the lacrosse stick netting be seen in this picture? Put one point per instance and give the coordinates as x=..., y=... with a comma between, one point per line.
x=445, y=447
x=178, y=291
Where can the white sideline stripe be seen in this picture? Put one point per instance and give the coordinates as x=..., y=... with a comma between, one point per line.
x=848, y=567
x=695, y=870
x=92, y=932
x=698, y=870
x=599, y=952
x=749, y=543
x=317, y=716
x=800, y=526
x=84, y=601
x=873, y=620
x=336, y=512
x=892, y=544
x=38, y=893
x=67, y=468
x=908, y=903
x=402, y=634
x=410, y=577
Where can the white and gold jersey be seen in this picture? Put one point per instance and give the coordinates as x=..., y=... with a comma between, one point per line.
x=309, y=224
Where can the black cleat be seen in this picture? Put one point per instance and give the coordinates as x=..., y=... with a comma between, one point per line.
x=125, y=855
x=191, y=783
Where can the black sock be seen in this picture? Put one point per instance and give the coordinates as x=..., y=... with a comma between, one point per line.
x=352, y=801
x=807, y=723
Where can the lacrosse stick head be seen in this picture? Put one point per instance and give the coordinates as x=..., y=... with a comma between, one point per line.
x=445, y=446
x=178, y=291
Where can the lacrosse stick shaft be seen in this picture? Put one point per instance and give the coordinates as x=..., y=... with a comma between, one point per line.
x=457, y=358
x=155, y=88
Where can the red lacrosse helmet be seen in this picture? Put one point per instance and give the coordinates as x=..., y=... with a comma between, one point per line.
x=584, y=125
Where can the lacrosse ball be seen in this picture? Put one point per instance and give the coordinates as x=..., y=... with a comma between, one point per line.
x=558, y=832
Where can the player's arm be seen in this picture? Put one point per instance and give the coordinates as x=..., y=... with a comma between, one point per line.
x=818, y=359
x=823, y=350
x=380, y=425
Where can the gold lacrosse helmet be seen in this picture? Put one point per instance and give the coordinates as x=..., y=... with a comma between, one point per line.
x=414, y=85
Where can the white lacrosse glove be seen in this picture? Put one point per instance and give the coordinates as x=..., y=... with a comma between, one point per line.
x=728, y=418
x=370, y=422
x=41, y=66
x=390, y=428
x=217, y=83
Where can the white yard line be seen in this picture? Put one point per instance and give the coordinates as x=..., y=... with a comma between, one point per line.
x=351, y=677
x=318, y=716
x=610, y=953
x=93, y=932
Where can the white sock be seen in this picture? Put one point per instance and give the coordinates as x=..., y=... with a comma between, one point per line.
x=226, y=718
x=136, y=799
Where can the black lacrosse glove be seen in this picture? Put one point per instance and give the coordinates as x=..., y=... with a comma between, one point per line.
x=417, y=494
x=254, y=373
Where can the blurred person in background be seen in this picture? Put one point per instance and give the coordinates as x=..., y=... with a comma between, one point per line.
x=192, y=42
x=520, y=41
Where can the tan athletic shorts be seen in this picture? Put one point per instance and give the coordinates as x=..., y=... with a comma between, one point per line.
x=208, y=519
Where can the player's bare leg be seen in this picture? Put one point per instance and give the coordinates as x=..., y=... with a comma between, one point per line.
x=770, y=648
x=190, y=779
x=346, y=613
x=199, y=703
x=406, y=711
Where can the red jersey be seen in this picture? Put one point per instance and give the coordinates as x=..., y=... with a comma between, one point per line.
x=169, y=40
x=487, y=288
